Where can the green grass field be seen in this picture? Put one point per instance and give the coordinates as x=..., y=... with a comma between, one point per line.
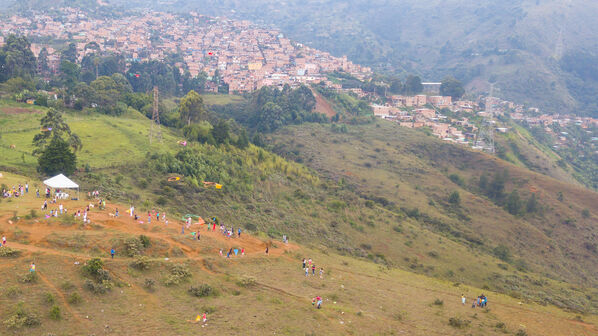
x=221, y=99
x=107, y=141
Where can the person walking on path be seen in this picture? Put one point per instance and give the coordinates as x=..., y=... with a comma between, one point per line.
x=463, y=299
x=198, y=235
x=229, y=252
x=321, y=273
x=112, y=252
x=3, y=240
x=267, y=249
x=319, y=304
x=32, y=268
x=27, y=187
x=158, y=216
x=37, y=193
x=116, y=213
x=307, y=271
x=221, y=252
x=313, y=270
x=242, y=252
x=239, y=233
x=303, y=263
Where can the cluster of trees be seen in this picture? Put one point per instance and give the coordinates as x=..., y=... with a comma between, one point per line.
x=202, y=126
x=16, y=59
x=386, y=85
x=512, y=202
x=269, y=108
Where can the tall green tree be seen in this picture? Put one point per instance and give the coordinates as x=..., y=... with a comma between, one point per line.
x=57, y=158
x=53, y=125
x=514, y=203
x=42, y=61
x=413, y=85
x=452, y=87
x=69, y=54
x=192, y=108
x=16, y=58
x=69, y=74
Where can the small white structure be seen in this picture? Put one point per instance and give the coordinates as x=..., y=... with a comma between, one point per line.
x=61, y=182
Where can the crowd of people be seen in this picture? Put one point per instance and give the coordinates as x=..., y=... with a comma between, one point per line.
x=15, y=191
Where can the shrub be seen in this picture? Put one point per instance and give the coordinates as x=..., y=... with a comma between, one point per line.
x=397, y=228
x=250, y=227
x=521, y=332
x=30, y=277
x=459, y=323
x=141, y=263
x=55, y=313
x=161, y=201
x=49, y=298
x=502, y=252
x=585, y=213
x=149, y=284
x=133, y=247
x=97, y=288
x=202, y=290
x=178, y=274
x=74, y=298
x=21, y=318
x=457, y=179
x=433, y=254
x=438, y=302
x=145, y=241
x=208, y=309
x=455, y=198
x=92, y=266
x=12, y=292
x=9, y=252
x=247, y=281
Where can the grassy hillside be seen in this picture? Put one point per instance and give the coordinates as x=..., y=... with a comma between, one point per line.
x=369, y=205
x=412, y=176
x=254, y=294
x=107, y=141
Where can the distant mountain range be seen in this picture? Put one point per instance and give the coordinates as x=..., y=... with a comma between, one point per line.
x=538, y=52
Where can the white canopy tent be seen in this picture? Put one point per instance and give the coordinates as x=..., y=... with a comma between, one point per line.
x=61, y=182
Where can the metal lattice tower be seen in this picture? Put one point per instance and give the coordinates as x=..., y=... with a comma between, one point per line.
x=485, y=137
x=155, y=130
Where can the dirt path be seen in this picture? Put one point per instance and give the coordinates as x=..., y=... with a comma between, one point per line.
x=63, y=300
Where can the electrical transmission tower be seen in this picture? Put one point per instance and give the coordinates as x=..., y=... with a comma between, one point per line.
x=485, y=137
x=155, y=130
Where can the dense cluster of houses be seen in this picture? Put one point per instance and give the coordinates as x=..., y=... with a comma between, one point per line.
x=245, y=56
x=426, y=110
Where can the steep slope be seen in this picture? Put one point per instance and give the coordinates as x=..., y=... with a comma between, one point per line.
x=253, y=294
x=413, y=175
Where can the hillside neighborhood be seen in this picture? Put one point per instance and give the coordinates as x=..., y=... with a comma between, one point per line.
x=244, y=56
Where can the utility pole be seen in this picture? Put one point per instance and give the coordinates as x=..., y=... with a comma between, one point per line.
x=155, y=130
